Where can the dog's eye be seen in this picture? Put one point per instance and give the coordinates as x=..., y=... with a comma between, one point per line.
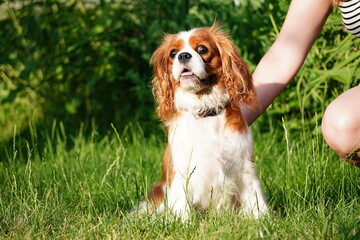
x=173, y=53
x=202, y=49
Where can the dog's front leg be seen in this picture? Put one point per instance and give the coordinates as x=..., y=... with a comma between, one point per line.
x=252, y=195
x=176, y=198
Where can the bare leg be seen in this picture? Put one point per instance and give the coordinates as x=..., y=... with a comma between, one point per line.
x=341, y=125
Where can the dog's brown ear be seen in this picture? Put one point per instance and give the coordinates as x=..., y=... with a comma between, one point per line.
x=236, y=74
x=162, y=83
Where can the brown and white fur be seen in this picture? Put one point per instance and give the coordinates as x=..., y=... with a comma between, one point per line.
x=199, y=84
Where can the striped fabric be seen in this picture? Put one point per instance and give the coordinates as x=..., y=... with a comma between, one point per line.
x=350, y=11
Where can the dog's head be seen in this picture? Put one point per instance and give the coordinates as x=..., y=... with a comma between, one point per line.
x=197, y=62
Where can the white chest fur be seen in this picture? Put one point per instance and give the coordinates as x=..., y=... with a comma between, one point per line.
x=207, y=158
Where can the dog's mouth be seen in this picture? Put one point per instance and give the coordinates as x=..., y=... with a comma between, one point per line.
x=187, y=73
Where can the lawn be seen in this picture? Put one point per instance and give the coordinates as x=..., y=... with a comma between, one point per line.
x=57, y=185
x=82, y=61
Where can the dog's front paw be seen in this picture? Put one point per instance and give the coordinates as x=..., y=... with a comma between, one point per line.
x=256, y=211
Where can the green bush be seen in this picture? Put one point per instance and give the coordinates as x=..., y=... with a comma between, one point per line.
x=89, y=61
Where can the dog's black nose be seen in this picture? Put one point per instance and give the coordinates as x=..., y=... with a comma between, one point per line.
x=184, y=57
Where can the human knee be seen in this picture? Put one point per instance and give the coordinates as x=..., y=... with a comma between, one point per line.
x=339, y=128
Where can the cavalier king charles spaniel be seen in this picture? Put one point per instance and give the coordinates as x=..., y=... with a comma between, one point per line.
x=200, y=82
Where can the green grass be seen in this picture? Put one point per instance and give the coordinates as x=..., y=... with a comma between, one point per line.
x=54, y=185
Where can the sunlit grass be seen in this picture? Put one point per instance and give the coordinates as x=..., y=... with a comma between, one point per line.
x=54, y=185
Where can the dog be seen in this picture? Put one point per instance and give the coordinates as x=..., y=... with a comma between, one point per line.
x=200, y=82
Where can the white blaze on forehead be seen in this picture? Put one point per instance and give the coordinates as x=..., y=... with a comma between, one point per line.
x=195, y=64
x=185, y=36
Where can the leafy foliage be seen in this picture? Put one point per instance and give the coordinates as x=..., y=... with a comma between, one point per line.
x=80, y=61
